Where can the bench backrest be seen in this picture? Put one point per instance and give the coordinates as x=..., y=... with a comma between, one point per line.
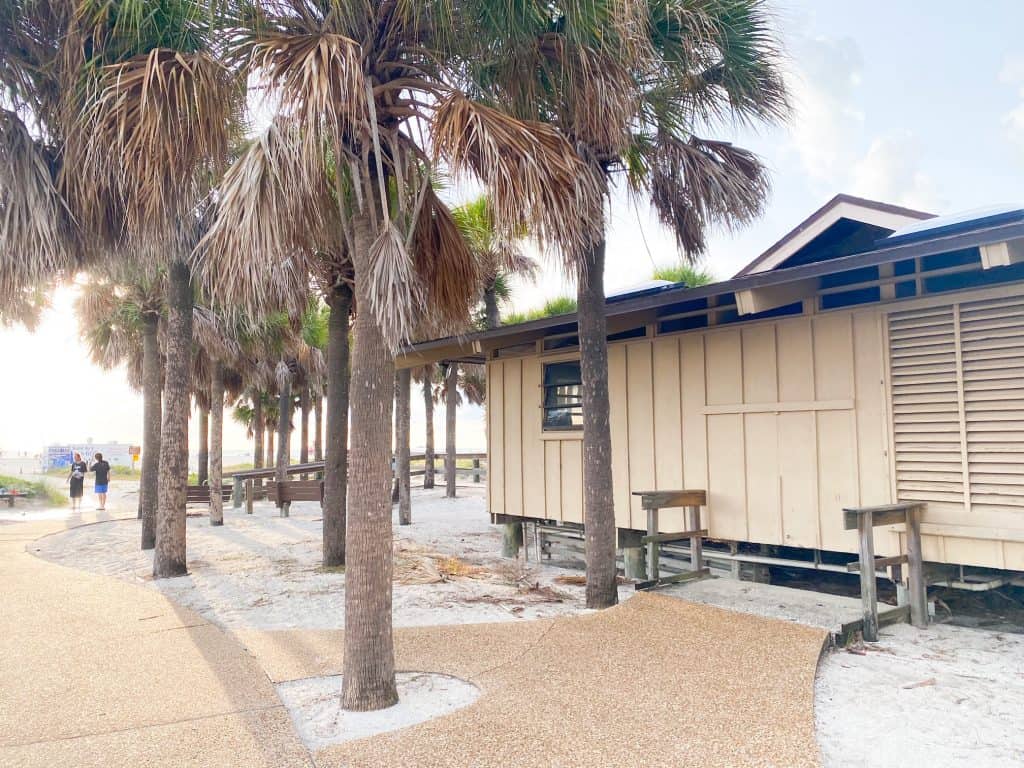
x=296, y=490
x=195, y=494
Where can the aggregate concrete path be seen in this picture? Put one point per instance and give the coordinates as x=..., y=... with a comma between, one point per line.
x=99, y=672
x=653, y=682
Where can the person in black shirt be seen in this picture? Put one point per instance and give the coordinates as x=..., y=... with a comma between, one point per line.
x=102, y=470
x=76, y=478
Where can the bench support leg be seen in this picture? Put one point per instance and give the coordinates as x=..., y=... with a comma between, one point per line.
x=511, y=540
x=237, y=493
x=633, y=555
x=696, y=542
x=250, y=492
x=653, y=566
x=868, y=586
x=915, y=571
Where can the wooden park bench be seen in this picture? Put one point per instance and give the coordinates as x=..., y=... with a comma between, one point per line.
x=653, y=502
x=200, y=494
x=864, y=520
x=296, y=490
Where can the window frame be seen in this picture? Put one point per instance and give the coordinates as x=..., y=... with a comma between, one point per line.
x=545, y=408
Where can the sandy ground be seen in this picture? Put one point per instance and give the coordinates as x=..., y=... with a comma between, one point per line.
x=315, y=706
x=944, y=697
x=262, y=571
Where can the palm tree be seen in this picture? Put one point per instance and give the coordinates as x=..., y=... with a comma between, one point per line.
x=142, y=115
x=119, y=316
x=500, y=256
x=425, y=376
x=632, y=85
x=364, y=80
x=403, y=397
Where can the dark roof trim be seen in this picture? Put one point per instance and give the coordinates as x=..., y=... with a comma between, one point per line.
x=524, y=332
x=833, y=203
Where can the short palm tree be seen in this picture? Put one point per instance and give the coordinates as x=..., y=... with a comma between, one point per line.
x=633, y=86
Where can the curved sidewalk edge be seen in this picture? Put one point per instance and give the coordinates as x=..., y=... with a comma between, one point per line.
x=98, y=672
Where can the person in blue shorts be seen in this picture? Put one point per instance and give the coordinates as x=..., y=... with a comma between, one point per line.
x=102, y=470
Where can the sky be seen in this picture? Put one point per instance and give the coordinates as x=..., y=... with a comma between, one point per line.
x=912, y=103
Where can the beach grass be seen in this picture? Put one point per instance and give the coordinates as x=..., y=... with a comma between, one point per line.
x=41, y=490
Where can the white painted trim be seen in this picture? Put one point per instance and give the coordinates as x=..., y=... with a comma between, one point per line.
x=814, y=227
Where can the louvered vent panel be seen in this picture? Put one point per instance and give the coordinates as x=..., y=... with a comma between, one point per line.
x=926, y=406
x=992, y=343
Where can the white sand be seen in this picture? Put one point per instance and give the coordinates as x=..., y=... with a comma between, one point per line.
x=262, y=571
x=314, y=704
x=943, y=697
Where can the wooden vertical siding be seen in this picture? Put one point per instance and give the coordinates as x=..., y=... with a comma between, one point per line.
x=787, y=421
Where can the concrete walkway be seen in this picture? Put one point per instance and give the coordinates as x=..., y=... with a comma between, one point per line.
x=97, y=672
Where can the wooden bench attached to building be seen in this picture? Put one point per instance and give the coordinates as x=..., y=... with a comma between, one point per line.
x=200, y=494
x=653, y=502
x=864, y=520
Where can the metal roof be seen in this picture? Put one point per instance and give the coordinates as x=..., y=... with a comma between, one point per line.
x=630, y=310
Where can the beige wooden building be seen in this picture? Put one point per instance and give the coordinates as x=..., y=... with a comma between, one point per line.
x=874, y=354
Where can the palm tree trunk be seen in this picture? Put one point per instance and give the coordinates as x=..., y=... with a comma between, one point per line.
x=368, y=680
x=428, y=407
x=336, y=460
x=151, y=418
x=203, y=471
x=284, y=428
x=598, y=506
x=491, y=314
x=403, y=408
x=305, y=407
x=216, y=444
x=257, y=435
x=271, y=431
x=450, y=406
x=169, y=552
x=318, y=428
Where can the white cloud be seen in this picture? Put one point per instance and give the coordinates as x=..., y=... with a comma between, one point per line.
x=824, y=78
x=1012, y=74
x=890, y=172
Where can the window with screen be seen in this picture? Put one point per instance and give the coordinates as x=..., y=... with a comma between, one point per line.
x=563, y=396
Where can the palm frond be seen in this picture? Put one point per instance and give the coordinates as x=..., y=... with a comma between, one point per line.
x=273, y=213
x=535, y=177
x=697, y=183
x=35, y=225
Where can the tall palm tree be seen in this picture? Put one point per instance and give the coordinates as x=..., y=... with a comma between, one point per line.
x=633, y=86
x=364, y=80
x=425, y=376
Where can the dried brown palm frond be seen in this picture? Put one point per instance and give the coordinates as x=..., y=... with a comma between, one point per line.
x=215, y=335
x=394, y=293
x=696, y=183
x=446, y=266
x=156, y=123
x=36, y=231
x=273, y=212
x=317, y=73
x=534, y=176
